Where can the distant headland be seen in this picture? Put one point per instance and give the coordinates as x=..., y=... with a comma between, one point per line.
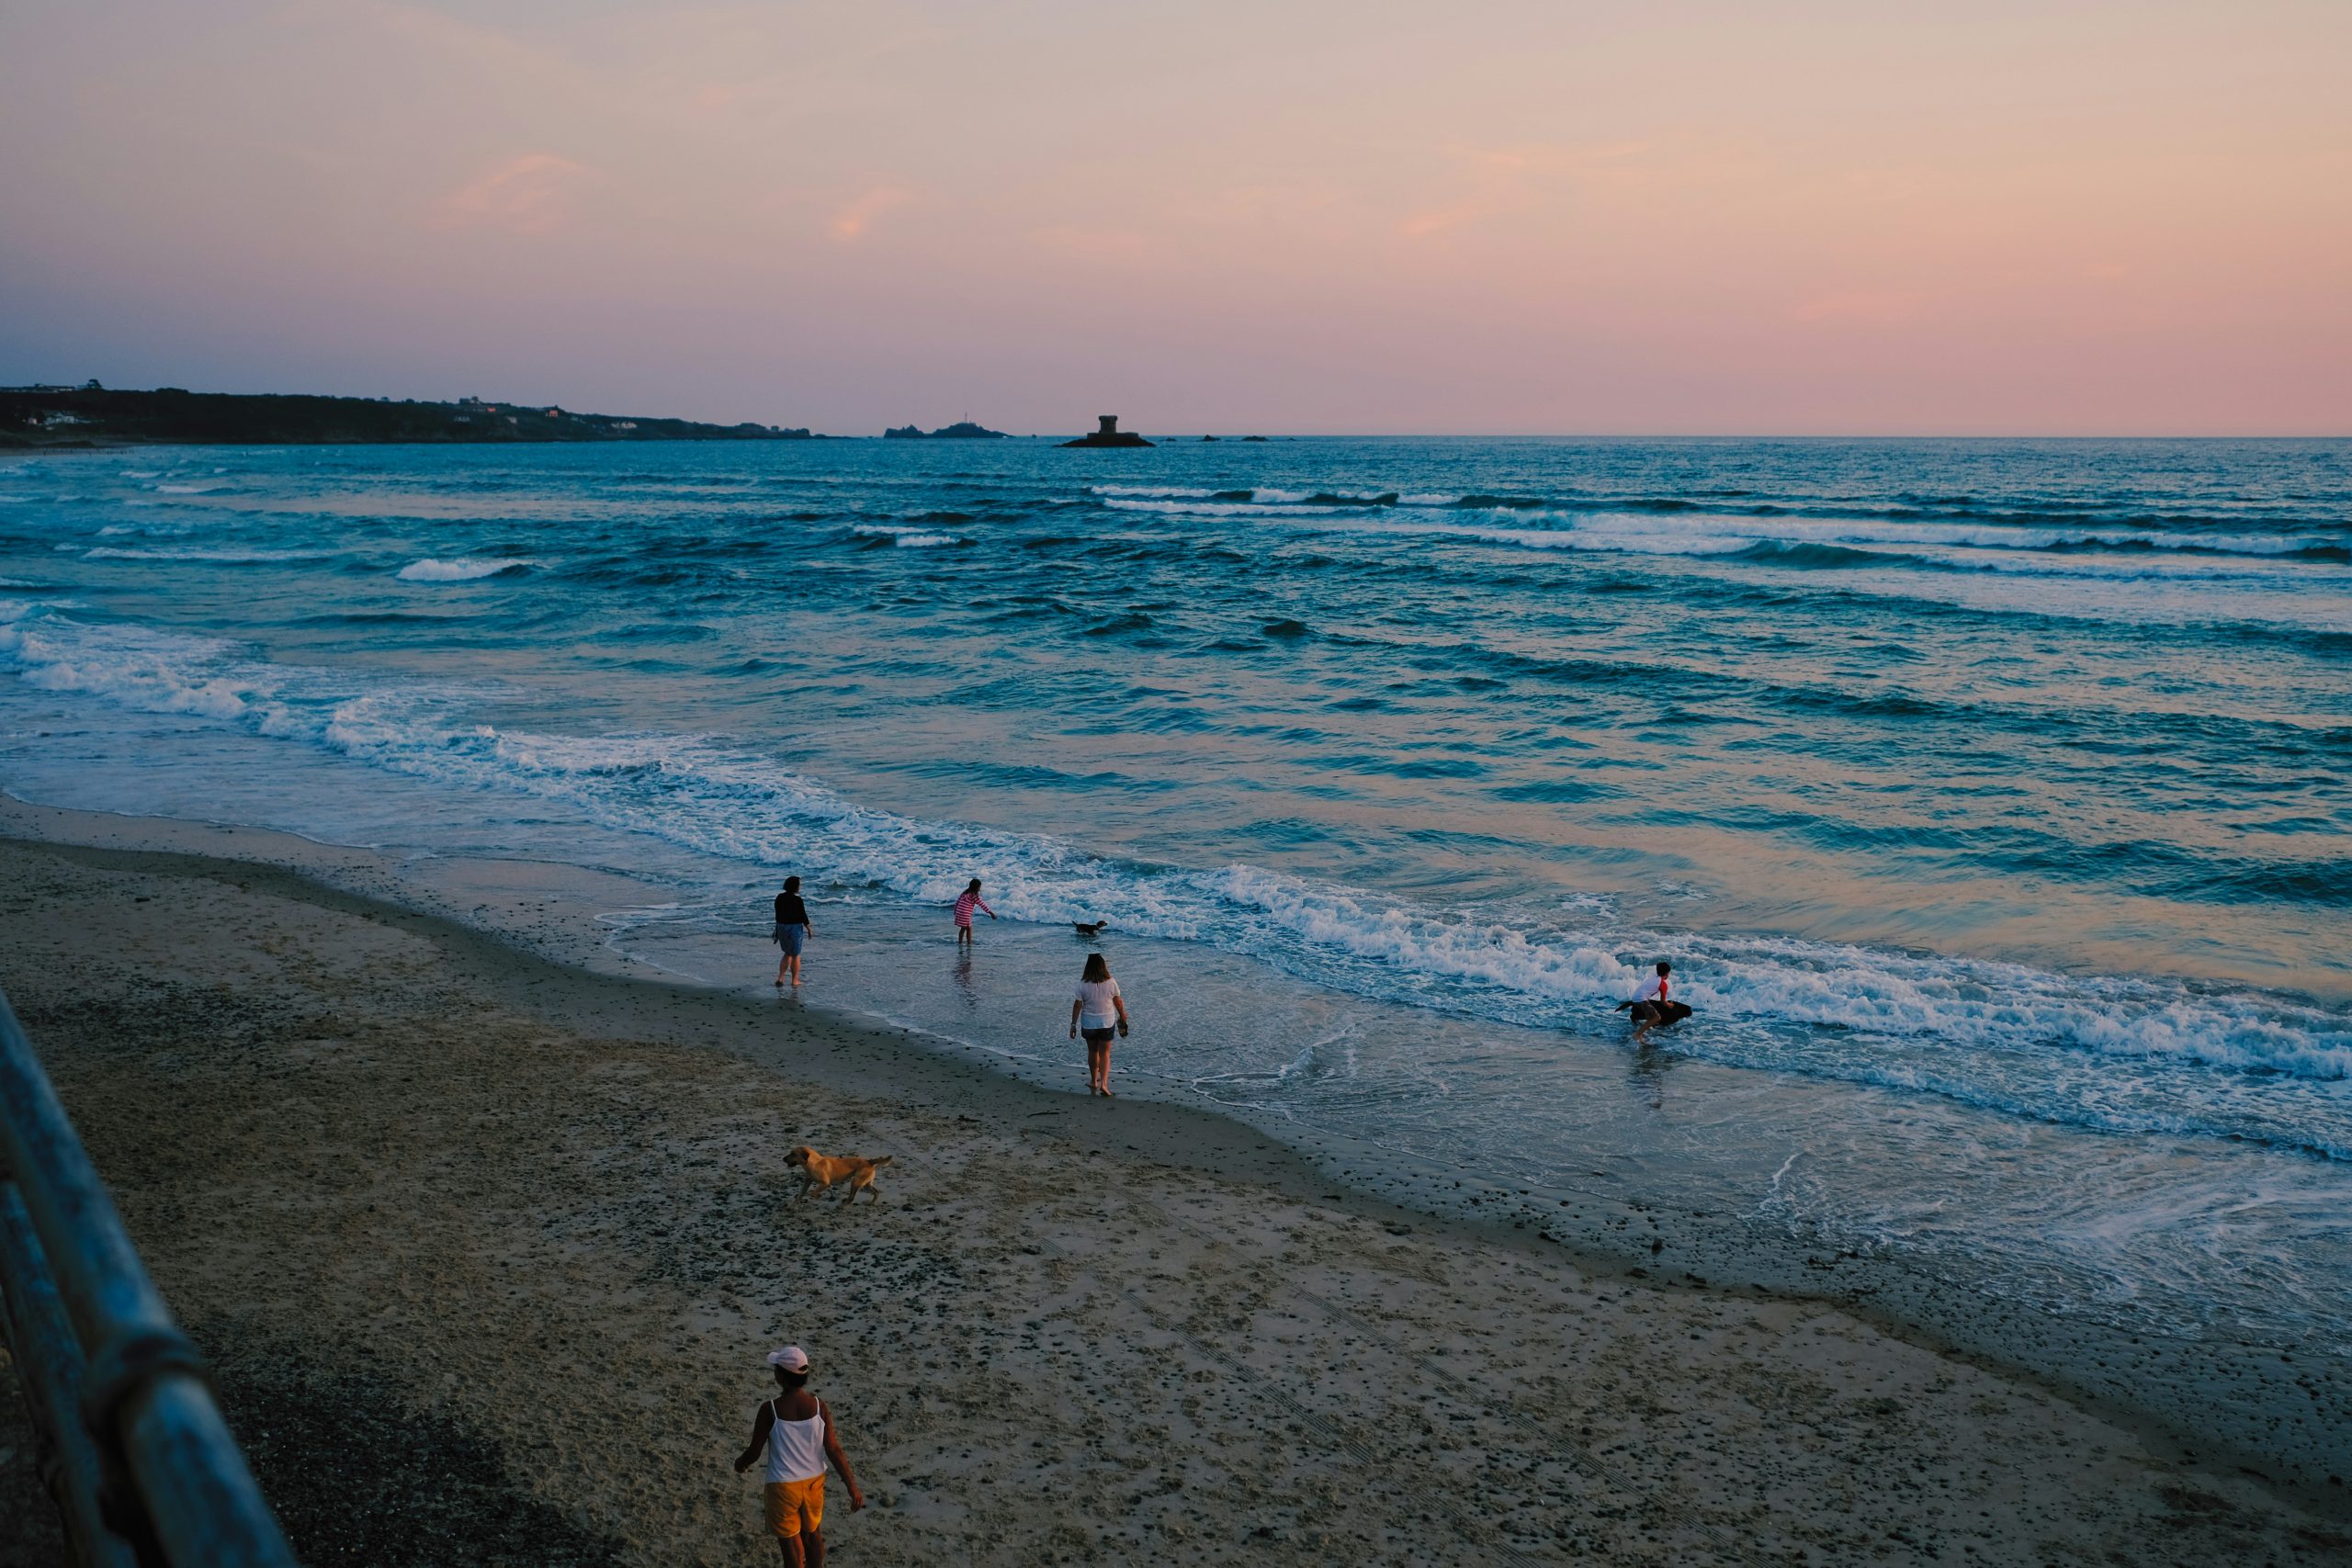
x=91, y=415
x=962, y=430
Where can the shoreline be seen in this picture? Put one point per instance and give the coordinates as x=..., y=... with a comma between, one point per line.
x=2262, y=1408
x=1154, y=1159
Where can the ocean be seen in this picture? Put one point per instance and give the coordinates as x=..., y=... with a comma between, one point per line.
x=1990, y=798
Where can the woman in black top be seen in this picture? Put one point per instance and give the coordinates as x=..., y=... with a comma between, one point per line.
x=792, y=929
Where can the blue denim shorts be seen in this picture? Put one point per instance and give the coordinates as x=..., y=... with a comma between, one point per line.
x=790, y=939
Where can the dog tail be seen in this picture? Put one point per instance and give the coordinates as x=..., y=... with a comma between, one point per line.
x=878, y=1164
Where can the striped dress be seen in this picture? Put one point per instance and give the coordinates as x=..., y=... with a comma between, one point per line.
x=967, y=904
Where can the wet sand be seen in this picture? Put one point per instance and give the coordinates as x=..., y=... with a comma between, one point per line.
x=486, y=1245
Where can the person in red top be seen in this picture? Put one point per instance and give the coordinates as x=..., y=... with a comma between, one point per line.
x=1652, y=1005
x=964, y=908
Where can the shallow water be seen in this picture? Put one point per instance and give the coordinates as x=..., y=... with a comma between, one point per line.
x=1990, y=798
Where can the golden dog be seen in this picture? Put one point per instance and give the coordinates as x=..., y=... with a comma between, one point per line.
x=818, y=1172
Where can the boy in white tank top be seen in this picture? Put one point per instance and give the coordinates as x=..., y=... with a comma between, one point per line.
x=1655, y=1003
x=794, y=1431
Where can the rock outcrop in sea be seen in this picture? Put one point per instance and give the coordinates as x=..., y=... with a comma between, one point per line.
x=962, y=430
x=1109, y=435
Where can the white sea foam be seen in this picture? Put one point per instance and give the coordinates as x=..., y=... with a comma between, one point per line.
x=135, y=666
x=906, y=539
x=1213, y=508
x=216, y=558
x=189, y=489
x=1985, y=546
x=459, y=570
x=1992, y=1033
x=1216, y=501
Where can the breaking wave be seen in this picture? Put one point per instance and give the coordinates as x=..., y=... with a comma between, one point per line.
x=460, y=569
x=907, y=538
x=1997, y=1034
x=216, y=556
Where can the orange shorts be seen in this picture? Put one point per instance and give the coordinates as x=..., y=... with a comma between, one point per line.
x=797, y=1505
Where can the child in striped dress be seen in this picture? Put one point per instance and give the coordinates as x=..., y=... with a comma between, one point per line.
x=964, y=908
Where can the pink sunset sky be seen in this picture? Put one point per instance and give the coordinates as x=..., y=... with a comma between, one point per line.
x=1467, y=217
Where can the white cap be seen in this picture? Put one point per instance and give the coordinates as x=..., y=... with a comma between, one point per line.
x=792, y=1358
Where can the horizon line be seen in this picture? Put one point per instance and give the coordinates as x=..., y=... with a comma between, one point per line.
x=1196, y=435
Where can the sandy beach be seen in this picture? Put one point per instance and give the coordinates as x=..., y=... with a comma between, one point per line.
x=486, y=1249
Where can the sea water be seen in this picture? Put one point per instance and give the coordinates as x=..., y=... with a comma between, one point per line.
x=1990, y=798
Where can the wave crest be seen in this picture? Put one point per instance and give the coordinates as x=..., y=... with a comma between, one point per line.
x=905, y=538
x=461, y=569
x=1998, y=1034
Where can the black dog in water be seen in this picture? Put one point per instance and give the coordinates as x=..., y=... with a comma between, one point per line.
x=1087, y=928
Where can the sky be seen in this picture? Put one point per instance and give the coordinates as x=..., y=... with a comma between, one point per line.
x=1482, y=217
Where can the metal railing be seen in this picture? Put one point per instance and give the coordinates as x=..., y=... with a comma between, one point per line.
x=143, y=1466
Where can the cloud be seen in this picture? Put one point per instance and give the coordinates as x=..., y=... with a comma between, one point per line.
x=527, y=195
x=1471, y=210
x=851, y=222
x=1507, y=182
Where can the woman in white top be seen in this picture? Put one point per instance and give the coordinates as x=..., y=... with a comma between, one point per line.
x=1098, y=1013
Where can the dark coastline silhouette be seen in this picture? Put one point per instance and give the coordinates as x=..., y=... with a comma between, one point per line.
x=91, y=415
